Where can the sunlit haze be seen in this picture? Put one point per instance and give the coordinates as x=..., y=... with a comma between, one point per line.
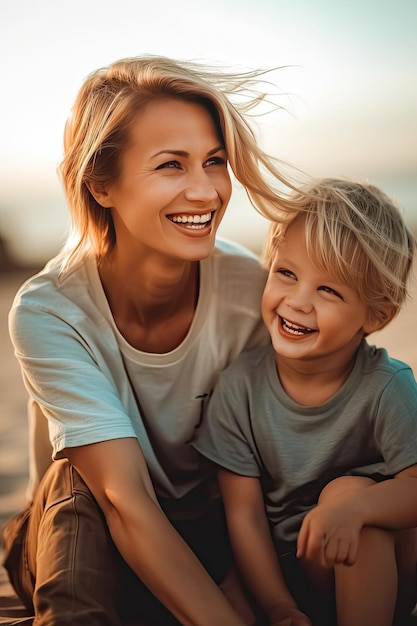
x=349, y=91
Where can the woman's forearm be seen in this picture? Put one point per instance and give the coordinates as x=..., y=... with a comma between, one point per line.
x=144, y=536
x=257, y=559
x=167, y=566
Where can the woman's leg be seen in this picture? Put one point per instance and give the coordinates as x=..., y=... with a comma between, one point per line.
x=14, y=534
x=70, y=571
x=65, y=567
x=69, y=555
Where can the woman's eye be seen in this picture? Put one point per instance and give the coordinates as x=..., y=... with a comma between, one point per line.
x=215, y=161
x=169, y=165
x=331, y=291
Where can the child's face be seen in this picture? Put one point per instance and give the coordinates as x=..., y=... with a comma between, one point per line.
x=310, y=314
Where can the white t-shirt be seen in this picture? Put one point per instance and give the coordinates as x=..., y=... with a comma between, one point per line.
x=89, y=382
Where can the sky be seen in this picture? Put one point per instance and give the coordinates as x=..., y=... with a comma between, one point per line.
x=348, y=88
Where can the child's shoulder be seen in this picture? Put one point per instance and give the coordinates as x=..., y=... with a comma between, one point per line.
x=375, y=358
x=249, y=361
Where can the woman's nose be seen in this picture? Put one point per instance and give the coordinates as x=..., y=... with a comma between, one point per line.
x=200, y=188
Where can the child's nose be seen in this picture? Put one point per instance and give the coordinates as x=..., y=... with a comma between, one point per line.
x=300, y=300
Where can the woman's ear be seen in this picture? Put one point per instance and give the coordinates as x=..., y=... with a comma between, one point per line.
x=99, y=193
x=379, y=317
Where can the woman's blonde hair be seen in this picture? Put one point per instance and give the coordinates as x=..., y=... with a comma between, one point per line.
x=108, y=102
x=357, y=233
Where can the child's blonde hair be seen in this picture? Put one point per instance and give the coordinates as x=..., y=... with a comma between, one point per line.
x=107, y=105
x=357, y=233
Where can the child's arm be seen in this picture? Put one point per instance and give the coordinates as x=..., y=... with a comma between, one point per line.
x=254, y=550
x=330, y=532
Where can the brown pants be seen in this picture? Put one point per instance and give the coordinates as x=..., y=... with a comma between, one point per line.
x=65, y=567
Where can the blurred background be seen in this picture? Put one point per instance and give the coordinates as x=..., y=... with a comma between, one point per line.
x=348, y=92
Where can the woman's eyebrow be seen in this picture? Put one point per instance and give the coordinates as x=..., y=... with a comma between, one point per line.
x=184, y=153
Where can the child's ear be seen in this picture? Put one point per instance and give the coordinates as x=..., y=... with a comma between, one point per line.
x=379, y=317
x=99, y=193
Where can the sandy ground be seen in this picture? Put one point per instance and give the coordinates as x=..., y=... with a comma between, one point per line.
x=400, y=338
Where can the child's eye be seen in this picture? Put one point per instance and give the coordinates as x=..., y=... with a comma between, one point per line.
x=287, y=273
x=331, y=291
x=169, y=165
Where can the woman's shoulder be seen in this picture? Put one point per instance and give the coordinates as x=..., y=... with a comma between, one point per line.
x=237, y=276
x=51, y=288
x=226, y=248
x=237, y=260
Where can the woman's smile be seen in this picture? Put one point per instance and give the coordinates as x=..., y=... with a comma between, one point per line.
x=192, y=221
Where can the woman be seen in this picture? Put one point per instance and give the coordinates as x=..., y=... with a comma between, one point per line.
x=120, y=340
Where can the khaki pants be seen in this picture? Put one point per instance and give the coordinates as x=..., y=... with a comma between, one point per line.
x=65, y=567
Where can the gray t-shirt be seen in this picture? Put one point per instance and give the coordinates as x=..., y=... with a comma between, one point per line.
x=252, y=428
x=93, y=386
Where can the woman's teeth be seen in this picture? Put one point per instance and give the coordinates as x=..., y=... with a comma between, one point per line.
x=294, y=329
x=191, y=221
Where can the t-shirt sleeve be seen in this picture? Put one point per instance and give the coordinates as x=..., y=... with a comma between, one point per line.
x=67, y=377
x=224, y=434
x=396, y=425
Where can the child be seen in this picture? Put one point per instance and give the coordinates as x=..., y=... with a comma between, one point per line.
x=316, y=434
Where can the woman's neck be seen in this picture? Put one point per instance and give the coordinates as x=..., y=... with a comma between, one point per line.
x=152, y=300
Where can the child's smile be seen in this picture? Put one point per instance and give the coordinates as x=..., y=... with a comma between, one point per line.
x=295, y=329
x=311, y=314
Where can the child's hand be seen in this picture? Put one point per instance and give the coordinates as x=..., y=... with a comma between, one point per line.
x=329, y=535
x=289, y=616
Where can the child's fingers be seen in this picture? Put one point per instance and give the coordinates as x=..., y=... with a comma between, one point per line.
x=310, y=540
x=352, y=553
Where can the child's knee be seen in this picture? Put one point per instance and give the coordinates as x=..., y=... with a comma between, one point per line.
x=342, y=484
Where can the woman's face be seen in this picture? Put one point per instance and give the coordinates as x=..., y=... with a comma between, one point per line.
x=174, y=184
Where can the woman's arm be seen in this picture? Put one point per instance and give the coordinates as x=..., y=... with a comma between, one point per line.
x=116, y=473
x=254, y=550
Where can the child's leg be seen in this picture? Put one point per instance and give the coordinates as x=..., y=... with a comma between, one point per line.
x=366, y=592
x=384, y=574
x=406, y=556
